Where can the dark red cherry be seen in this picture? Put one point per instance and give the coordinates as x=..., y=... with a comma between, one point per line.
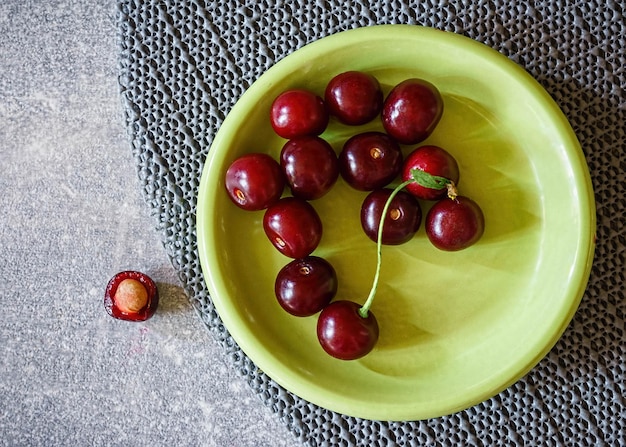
x=295, y=113
x=293, y=226
x=305, y=286
x=435, y=161
x=404, y=216
x=254, y=181
x=131, y=296
x=370, y=160
x=310, y=166
x=344, y=333
x=354, y=97
x=412, y=110
x=454, y=224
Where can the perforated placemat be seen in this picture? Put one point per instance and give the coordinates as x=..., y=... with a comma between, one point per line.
x=183, y=65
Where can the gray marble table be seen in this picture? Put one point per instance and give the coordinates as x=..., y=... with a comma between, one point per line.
x=71, y=216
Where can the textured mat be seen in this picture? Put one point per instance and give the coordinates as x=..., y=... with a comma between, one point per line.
x=183, y=64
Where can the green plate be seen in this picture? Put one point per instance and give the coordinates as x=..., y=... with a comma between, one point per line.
x=456, y=328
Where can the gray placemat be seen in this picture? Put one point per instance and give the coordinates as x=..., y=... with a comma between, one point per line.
x=183, y=65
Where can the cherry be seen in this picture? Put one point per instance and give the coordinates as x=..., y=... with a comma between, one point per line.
x=298, y=112
x=354, y=97
x=305, y=286
x=131, y=296
x=254, y=181
x=435, y=161
x=293, y=227
x=370, y=160
x=344, y=333
x=363, y=312
x=412, y=110
x=404, y=216
x=310, y=166
x=454, y=224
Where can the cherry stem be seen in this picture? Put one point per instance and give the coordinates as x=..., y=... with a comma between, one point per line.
x=364, y=310
x=424, y=179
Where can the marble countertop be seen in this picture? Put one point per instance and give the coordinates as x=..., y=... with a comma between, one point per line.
x=72, y=216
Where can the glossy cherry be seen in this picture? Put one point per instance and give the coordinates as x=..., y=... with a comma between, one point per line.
x=403, y=216
x=454, y=224
x=344, y=333
x=310, y=166
x=298, y=112
x=435, y=161
x=293, y=226
x=370, y=160
x=354, y=97
x=131, y=296
x=254, y=181
x=412, y=110
x=305, y=286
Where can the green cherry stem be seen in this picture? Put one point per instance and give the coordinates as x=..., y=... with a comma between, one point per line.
x=364, y=310
x=424, y=179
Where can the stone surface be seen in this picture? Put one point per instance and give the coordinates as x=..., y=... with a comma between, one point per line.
x=72, y=216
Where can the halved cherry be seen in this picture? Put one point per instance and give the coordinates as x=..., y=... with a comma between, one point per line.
x=131, y=296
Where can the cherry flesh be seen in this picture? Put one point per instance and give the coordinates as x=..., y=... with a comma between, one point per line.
x=354, y=97
x=254, y=181
x=454, y=224
x=131, y=296
x=305, y=286
x=293, y=226
x=403, y=219
x=412, y=110
x=295, y=113
x=344, y=333
x=310, y=166
x=370, y=160
x=435, y=161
